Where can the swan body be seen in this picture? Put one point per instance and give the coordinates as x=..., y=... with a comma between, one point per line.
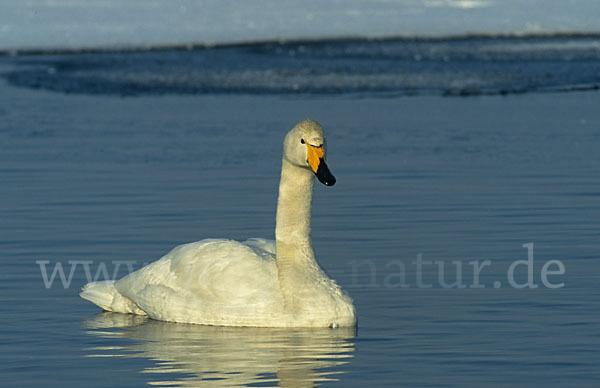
x=258, y=282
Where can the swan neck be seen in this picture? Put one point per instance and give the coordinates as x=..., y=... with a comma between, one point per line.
x=294, y=252
x=294, y=205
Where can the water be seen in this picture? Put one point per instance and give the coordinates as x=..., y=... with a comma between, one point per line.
x=91, y=176
x=466, y=66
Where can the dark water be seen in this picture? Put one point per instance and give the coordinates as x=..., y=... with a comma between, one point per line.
x=468, y=66
x=107, y=182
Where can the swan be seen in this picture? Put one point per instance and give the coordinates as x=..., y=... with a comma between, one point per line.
x=258, y=282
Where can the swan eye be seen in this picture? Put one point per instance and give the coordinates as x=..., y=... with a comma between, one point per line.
x=302, y=141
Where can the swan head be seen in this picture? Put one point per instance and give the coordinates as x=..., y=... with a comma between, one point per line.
x=305, y=147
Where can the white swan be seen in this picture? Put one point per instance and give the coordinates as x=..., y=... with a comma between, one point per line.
x=254, y=283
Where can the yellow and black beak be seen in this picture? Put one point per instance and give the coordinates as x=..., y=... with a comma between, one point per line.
x=316, y=161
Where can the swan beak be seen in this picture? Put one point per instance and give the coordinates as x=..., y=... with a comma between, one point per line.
x=316, y=161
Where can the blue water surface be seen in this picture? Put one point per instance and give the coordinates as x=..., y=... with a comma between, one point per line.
x=105, y=181
x=485, y=65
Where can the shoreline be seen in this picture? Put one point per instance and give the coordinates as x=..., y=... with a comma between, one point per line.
x=197, y=46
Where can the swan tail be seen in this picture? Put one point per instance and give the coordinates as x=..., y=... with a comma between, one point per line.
x=105, y=295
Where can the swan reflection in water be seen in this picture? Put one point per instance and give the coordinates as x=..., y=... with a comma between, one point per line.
x=213, y=356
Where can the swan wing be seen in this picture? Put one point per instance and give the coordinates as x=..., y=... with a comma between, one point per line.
x=220, y=282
